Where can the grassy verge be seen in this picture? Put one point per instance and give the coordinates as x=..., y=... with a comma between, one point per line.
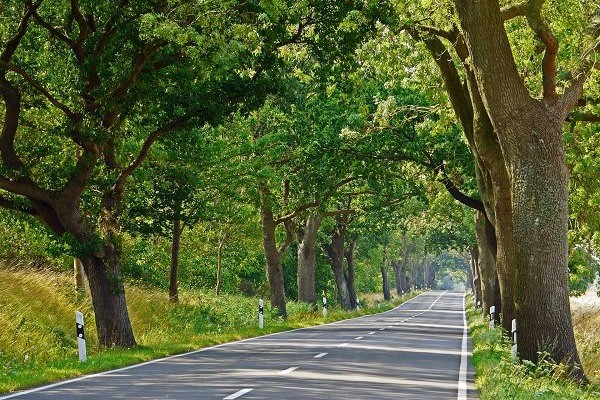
x=586, y=322
x=38, y=344
x=499, y=378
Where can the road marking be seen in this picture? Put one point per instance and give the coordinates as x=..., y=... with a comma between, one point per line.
x=462, y=376
x=342, y=345
x=372, y=332
x=389, y=326
x=237, y=394
x=189, y=353
x=287, y=371
x=358, y=338
x=320, y=355
x=381, y=329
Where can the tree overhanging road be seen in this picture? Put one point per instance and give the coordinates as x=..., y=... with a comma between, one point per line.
x=419, y=350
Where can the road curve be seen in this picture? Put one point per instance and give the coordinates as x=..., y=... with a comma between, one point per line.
x=419, y=350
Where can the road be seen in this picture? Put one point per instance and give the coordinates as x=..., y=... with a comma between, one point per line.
x=419, y=350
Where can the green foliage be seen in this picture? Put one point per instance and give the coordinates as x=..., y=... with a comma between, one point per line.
x=582, y=271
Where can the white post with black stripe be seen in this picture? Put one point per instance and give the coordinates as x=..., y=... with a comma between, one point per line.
x=513, y=349
x=378, y=303
x=357, y=304
x=261, y=313
x=492, y=313
x=324, y=306
x=80, y=336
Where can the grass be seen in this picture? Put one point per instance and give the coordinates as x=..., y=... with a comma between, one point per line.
x=586, y=322
x=38, y=343
x=497, y=377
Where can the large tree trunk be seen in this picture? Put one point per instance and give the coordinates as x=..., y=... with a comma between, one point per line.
x=384, y=276
x=307, y=241
x=174, y=273
x=335, y=251
x=530, y=135
x=273, y=256
x=108, y=298
x=349, y=253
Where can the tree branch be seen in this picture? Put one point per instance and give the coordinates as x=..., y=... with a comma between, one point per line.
x=13, y=43
x=57, y=34
x=38, y=86
x=175, y=124
x=13, y=205
x=513, y=10
x=583, y=117
x=544, y=33
x=82, y=23
x=459, y=97
x=138, y=64
x=574, y=90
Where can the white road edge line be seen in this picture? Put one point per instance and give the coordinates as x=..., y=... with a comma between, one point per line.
x=320, y=355
x=84, y=377
x=287, y=371
x=237, y=394
x=462, y=376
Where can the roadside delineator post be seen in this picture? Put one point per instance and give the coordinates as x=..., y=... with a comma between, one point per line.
x=478, y=303
x=513, y=349
x=80, y=336
x=261, y=313
x=378, y=303
x=357, y=304
x=324, y=306
x=492, y=312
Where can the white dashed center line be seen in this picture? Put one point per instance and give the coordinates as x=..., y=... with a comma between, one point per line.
x=342, y=345
x=372, y=332
x=287, y=371
x=381, y=329
x=237, y=394
x=358, y=337
x=320, y=355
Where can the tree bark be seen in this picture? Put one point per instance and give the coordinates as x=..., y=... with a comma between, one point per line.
x=335, y=251
x=220, y=262
x=108, y=298
x=487, y=265
x=273, y=256
x=384, y=276
x=530, y=135
x=307, y=242
x=174, y=272
x=475, y=273
x=351, y=279
x=79, y=275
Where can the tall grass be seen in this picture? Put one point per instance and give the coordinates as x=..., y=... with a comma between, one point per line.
x=497, y=377
x=37, y=334
x=586, y=322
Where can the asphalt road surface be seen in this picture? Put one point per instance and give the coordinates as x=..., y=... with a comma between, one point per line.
x=419, y=350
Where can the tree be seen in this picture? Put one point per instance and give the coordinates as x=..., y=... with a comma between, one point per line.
x=103, y=118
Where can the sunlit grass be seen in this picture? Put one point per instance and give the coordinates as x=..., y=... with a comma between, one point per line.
x=497, y=377
x=37, y=338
